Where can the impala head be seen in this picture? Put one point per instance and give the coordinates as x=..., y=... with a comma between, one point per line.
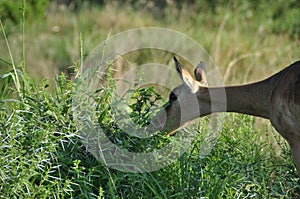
x=183, y=104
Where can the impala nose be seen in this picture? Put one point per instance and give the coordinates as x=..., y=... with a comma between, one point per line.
x=158, y=122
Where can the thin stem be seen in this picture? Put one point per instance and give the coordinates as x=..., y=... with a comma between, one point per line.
x=15, y=76
x=23, y=36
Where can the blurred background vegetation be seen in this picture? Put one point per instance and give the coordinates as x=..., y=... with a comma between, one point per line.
x=252, y=38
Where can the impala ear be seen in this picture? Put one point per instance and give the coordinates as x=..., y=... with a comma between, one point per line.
x=200, y=73
x=185, y=76
x=179, y=67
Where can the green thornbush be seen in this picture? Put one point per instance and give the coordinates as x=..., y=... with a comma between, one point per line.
x=288, y=22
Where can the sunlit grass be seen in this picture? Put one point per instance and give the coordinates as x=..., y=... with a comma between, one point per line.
x=42, y=156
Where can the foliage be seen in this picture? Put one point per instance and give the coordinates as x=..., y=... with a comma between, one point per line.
x=115, y=116
x=144, y=101
x=286, y=20
x=12, y=10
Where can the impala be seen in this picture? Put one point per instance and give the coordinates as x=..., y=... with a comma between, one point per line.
x=276, y=98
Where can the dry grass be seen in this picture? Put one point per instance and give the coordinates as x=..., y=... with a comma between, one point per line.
x=243, y=50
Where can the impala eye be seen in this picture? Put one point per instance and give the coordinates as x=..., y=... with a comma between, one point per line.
x=172, y=97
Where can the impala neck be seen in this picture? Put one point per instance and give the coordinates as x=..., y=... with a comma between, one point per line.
x=251, y=99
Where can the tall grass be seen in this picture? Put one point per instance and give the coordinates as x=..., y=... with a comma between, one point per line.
x=41, y=153
x=42, y=157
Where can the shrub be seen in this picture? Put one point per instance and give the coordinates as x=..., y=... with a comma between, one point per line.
x=11, y=11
